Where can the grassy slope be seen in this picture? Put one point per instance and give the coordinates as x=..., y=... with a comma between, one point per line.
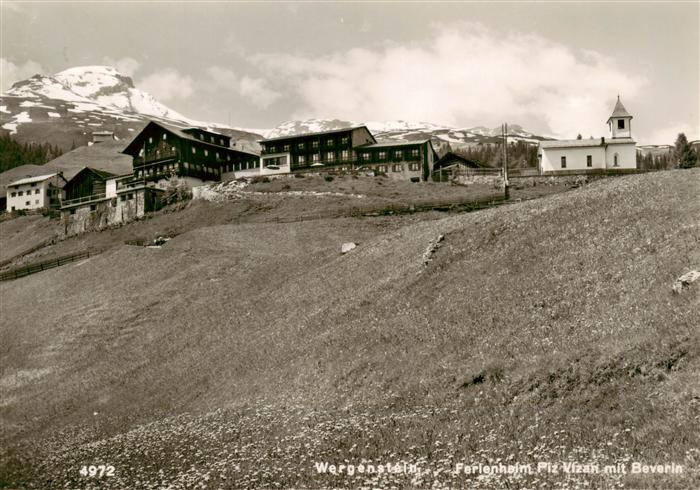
x=545, y=329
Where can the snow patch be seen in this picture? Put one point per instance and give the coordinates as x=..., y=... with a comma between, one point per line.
x=54, y=114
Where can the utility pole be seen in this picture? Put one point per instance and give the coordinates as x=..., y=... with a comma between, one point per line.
x=504, y=128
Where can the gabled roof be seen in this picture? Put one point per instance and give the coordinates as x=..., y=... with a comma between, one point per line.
x=619, y=110
x=179, y=132
x=31, y=180
x=101, y=174
x=318, y=133
x=450, y=157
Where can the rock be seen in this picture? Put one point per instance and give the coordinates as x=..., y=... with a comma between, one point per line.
x=685, y=280
x=346, y=247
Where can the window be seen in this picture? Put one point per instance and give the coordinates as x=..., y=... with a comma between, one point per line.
x=397, y=168
x=130, y=196
x=414, y=167
x=93, y=207
x=382, y=155
x=620, y=124
x=217, y=155
x=615, y=163
x=36, y=202
x=271, y=149
x=301, y=160
x=194, y=150
x=330, y=156
x=28, y=203
x=398, y=154
x=330, y=142
x=344, y=140
x=300, y=146
x=414, y=153
x=315, y=157
x=344, y=154
x=14, y=194
x=563, y=162
x=221, y=141
x=165, y=136
x=365, y=156
x=206, y=153
x=36, y=191
x=72, y=211
x=20, y=193
x=314, y=144
x=150, y=139
x=382, y=168
x=33, y=185
x=285, y=148
x=589, y=160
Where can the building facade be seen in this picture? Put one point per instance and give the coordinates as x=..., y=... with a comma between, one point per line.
x=353, y=148
x=31, y=193
x=193, y=154
x=617, y=152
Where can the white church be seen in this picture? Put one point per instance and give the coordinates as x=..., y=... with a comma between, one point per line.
x=618, y=151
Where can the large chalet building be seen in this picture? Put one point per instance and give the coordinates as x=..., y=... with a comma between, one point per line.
x=353, y=148
x=194, y=155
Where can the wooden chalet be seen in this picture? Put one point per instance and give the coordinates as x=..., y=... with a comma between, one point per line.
x=88, y=184
x=196, y=155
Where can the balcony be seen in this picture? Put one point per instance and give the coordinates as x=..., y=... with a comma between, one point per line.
x=156, y=156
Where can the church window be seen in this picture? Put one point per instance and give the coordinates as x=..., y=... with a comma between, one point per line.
x=589, y=160
x=620, y=124
x=615, y=163
x=563, y=162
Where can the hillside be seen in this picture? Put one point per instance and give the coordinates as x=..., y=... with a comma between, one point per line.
x=240, y=354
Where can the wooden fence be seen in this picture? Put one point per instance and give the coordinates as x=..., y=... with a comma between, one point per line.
x=45, y=265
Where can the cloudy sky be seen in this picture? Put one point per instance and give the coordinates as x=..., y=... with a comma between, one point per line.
x=554, y=68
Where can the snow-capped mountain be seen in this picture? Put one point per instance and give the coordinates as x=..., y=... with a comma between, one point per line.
x=64, y=109
x=407, y=130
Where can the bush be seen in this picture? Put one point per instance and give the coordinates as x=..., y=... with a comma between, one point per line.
x=328, y=178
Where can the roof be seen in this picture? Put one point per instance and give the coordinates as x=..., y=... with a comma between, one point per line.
x=584, y=143
x=389, y=143
x=453, y=157
x=180, y=133
x=319, y=133
x=30, y=180
x=100, y=173
x=104, y=156
x=619, y=110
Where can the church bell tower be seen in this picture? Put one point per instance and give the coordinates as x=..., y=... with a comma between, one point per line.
x=620, y=121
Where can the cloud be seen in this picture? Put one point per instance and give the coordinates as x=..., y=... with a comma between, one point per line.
x=668, y=134
x=167, y=85
x=462, y=74
x=258, y=91
x=126, y=66
x=11, y=73
x=255, y=90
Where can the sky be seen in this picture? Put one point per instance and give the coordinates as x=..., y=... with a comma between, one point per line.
x=555, y=68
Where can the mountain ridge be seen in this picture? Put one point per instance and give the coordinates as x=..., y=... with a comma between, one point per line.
x=65, y=108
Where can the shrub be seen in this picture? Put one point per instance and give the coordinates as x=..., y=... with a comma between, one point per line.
x=328, y=178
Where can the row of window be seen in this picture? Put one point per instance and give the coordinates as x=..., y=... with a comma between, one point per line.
x=21, y=193
x=203, y=137
x=382, y=155
x=589, y=161
x=315, y=144
x=237, y=167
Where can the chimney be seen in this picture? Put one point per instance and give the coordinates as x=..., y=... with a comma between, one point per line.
x=100, y=136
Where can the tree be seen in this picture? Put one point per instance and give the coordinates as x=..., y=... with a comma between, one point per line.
x=683, y=153
x=579, y=136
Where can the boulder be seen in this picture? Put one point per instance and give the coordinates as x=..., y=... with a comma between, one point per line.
x=346, y=247
x=685, y=281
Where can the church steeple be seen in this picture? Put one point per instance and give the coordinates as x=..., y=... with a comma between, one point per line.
x=620, y=121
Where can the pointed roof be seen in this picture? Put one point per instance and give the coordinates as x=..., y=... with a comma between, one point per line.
x=619, y=110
